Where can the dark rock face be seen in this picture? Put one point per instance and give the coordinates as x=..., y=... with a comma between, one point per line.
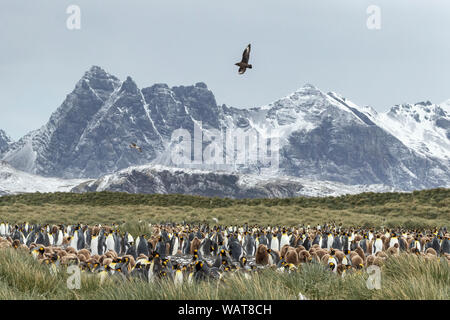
x=4, y=142
x=323, y=136
x=210, y=184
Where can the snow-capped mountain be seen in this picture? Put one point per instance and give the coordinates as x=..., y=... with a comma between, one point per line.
x=13, y=181
x=321, y=136
x=168, y=180
x=424, y=127
x=5, y=142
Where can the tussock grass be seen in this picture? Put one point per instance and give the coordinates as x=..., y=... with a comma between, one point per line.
x=402, y=277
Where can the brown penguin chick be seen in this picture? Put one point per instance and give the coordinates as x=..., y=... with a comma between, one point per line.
x=357, y=262
x=195, y=245
x=106, y=261
x=69, y=259
x=321, y=253
x=339, y=256
x=324, y=259
x=262, y=255
x=370, y=260
x=378, y=261
x=283, y=250
x=111, y=254
x=71, y=250
x=358, y=238
x=298, y=249
x=392, y=251
x=16, y=244
x=142, y=256
x=81, y=257
x=66, y=241
x=431, y=251
x=430, y=256
x=341, y=269
x=95, y=230
x=304, y=256
x=315, y=257
x=291, y=256
x=408, y=243
x=5, y=244
x=167, y=247
x=96, y=257
x=381, y=254
x=370, y=246
x=316, y=246
x=360, y=252
x=301, y=248
x=85, y=252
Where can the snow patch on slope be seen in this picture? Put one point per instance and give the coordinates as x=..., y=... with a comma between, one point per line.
x=13, y=181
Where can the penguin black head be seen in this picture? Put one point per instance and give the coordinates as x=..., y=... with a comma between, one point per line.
x=198, y=265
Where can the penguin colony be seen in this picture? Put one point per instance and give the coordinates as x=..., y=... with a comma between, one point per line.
x=185, y=253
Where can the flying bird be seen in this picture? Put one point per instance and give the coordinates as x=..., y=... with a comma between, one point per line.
x=243, y=65
x=133, y=145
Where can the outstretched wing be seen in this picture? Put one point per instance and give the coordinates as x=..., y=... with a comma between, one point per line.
x=246, y=54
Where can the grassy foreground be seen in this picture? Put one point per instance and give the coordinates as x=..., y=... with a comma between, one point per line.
x=418, y=209
x=402, y=277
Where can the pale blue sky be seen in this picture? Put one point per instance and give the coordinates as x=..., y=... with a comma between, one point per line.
x=180, y=42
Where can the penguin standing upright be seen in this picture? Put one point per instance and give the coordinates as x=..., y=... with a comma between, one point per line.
x=110, y=244
x=378, y=245
x=284, y=239
x=445, y=246
x=141, y=246
x=332, y=263
x=161, y=247
x=74, y=240
x=236, y=251
x=174, y=245
x=274, y=243
x=250, y=245
x=94, y=245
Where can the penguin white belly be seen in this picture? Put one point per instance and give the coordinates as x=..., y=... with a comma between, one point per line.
x=109, y=243
x=74, y=241
x=417, y=245
x=274, y=245
x=270, y=260
x=378, y=245
x=393, y=242
x=178, y=279
x=329, y=242
x=94, y=246
x=175, y=247
x=284, y=240
x=130, y=238
x=60, y=238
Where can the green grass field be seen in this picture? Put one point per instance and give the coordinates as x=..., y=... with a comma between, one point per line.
x=418, y=209
x=403, y=277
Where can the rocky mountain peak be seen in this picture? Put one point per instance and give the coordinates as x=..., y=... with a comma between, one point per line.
x=5, y=142
x=129, y=86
